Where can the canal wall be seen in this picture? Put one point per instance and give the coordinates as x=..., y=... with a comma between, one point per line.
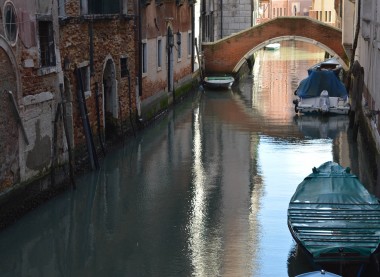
x=26, y=195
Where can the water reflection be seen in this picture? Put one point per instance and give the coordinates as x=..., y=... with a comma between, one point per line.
x=322, y=126
x=202, y=192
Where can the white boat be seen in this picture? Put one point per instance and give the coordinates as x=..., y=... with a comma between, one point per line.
x=322, y=91
x=273, y=46
x=219, y=82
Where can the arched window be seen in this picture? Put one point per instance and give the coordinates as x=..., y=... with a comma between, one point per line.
x=10, y=22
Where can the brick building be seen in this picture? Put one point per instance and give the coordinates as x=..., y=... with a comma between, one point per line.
x=167, y=53
x=76, y=74
x=29, y=73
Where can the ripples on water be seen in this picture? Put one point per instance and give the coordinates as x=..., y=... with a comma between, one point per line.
x=202, y=192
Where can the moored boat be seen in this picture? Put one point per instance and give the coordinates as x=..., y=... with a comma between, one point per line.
x=272, y=46
x=322, y=91
x=219, y=82
x=334, y=218
x=321, y=273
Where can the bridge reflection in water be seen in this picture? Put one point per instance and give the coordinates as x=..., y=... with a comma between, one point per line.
x=202, y=192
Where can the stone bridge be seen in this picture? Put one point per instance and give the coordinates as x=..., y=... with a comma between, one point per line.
x=227, y=55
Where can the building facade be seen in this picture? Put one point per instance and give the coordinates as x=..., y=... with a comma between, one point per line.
x=78, y=75
x=360, y=25
x=220, y=19
x=167, y=53
x=324, y=11
x=30, y=77
x=270, y=9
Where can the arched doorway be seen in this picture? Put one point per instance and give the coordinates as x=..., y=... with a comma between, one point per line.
x=9, y=128
x=110, y=103
x=170, y=44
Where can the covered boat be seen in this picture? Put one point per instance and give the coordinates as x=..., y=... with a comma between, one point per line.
x=219, y=82
x=333, y=217
x=321, y=273
x=322, y=91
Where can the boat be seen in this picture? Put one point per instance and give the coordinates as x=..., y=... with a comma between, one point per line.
x=322, y=91
x=321, y=273
x=272, y=46
x=334, y=218
x=219, y=82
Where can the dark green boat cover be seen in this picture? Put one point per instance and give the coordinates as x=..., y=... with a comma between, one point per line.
x=333, y=216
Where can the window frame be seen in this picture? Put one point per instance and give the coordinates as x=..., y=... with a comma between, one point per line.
x=47, y=49
x=190, y=46
x=86, y=78
x=11, y=36
x=179, y=45
x=144, y=57
x=159, y=53
x=124, y=71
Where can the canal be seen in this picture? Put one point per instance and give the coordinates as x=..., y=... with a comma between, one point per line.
x=203, y=191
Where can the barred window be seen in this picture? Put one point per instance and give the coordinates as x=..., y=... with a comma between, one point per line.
x=47, y=46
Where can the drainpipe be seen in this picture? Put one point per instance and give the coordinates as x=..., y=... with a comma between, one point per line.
x=354, y=46
x=192, y=37
x=139, y=48
x=221, y=19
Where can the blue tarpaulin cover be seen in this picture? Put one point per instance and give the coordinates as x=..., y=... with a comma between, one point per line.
x=319, y=80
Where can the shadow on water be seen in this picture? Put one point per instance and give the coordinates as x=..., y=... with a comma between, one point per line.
x=300, y=262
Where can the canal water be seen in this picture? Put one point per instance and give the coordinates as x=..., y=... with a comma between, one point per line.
x=201, y=192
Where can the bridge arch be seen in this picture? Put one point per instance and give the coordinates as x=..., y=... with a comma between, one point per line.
x=229, y=54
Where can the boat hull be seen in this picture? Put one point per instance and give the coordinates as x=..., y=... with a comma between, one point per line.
x=321, y=273
x=312, y=105
x=218, y=82
x=334, y=218
x=272, y=46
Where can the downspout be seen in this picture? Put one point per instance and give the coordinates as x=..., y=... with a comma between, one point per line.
x=139, y=48
x=354, y=45
x=192, y=37
x=221, y=19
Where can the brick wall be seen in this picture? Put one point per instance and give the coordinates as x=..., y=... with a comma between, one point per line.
x=112, y=39
x=224, y=55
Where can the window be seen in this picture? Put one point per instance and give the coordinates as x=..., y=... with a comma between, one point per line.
x=61, y=7
x=274, y=12
x=47, y=47
x=179, y=47
x=85, y=77
x=10, y=22
x=329, y=16
x=159, y=53
x=104, y=6
x=144, y=56
x=189, y=44
x=124, y=67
